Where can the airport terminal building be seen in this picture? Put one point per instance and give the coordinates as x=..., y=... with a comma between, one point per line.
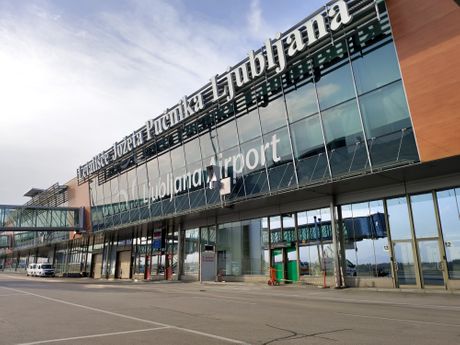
x=331, y=155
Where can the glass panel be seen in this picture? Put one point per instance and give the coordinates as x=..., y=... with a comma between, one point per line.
x=307, y=137
x=366, y=240
x=381, y=243
x=424, y=216
x=430, y=262
x=208, y=144
x=289, y=234
x=335, y=86
x=301, y=102
x=232, y=162
x=164, y=163
x=449, y=212
x=177, y=158
x=275, y=230
x=279, y=159
x=254, y=261
x=387, y=124
x=227, y=135
x=273, y=115
x=191, y=252
x=405, y=263
x=375, y=67
x=255, y=177
x=192, y=151
x=345, y=139
x=309, y=260
x=180, y=190
x=398, y=217
x=248, y=126
x=229, y=249
x=291, y=265
x=385, y=110
x=307, y=140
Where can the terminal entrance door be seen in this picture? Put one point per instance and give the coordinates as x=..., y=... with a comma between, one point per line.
x=418, y=247
x=404, y=263
x=431, y=265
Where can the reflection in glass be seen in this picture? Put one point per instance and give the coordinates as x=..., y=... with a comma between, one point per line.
x=366, y=242
x=307, y=140
x=345, y=139
x=385, y=110
x=375, y=66
x=276, y=235
x=240, y=248
x=289, y=227
x=279, y=159
x=387, y=124
x=309, y=260
x=208, y=144
x=405, y=268
x=234, y=172
x=301, y=102
x=430, y=262
x=315, y=242
x=227, y=135
x=424, y=216
x=273, y=115
x=177, y=158
x=248, y=126
x=398, y=218
x=335, y=86
x=449, y=212
x=192, y=151
x=191, y=252
x=164, y=163
x=255, y=179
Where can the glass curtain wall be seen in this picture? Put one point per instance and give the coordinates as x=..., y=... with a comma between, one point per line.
x=338, y=112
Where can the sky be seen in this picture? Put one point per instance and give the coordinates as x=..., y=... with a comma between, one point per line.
x=76, y=76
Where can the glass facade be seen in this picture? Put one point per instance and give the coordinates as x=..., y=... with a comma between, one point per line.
x=337, y=112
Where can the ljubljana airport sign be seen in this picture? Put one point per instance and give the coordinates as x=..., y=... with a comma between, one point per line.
x=273, y=56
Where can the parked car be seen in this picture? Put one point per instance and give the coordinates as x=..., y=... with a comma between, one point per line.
x=44, y=270
x=31, y=269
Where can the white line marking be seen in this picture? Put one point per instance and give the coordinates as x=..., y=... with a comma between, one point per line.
x=402, y=320
x=209, y=335
x=93, y=336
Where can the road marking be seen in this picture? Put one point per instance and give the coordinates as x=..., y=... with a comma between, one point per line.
x=93, y=336
x=402, y=320
x=209, y=335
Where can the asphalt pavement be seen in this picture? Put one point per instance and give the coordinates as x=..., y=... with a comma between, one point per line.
x=85, y=311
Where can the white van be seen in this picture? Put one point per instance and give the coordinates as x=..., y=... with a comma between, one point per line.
x=44, y=270
x=31, y=269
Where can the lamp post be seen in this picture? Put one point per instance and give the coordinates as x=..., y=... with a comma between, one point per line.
x=318, y=225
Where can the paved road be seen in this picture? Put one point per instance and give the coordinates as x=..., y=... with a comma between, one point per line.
x=66, y=311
